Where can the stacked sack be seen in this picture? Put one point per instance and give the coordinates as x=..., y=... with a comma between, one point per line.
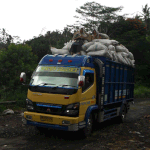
x=64, y=50
x=101, y=47
x=110, y=49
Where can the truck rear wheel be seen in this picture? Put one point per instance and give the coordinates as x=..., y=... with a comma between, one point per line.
x=123, y=114
x=89, y=126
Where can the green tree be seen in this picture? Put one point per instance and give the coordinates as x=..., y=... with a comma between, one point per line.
x=40, y=46
x=5, y=39
x=131, y=33
x=18, y=58
x=57, y=38
x=96, y=15
x=146, y=15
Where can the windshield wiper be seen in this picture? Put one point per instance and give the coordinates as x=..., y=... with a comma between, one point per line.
x=62, y=86
x=44, y=84
x=67, y=85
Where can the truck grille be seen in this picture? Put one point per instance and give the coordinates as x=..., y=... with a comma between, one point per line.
x=49, y=108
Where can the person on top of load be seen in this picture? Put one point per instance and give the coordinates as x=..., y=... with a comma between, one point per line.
x=96, y=35
x=79, y=37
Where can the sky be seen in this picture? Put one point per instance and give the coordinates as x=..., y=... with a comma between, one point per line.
x=29, y=18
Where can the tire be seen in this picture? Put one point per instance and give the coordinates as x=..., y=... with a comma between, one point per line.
x=123, y=115
x=87, y=131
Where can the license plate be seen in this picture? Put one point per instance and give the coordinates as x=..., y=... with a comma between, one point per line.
x=44, y=118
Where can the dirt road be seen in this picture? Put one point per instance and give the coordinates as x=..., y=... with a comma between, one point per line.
x=133, y=134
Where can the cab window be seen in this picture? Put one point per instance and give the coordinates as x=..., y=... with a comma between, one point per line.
x=89, y=80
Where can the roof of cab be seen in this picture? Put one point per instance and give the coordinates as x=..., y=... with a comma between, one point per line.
x=77, y=60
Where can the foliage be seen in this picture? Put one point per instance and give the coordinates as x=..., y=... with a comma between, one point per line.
x=148, y=39
x=94, y=14
x=2, y=108
x=131, y=33
x=40, y=46
x=5, y=39
x=17, y=59
x=146, y=14
x=141, y=92
x=125, y=27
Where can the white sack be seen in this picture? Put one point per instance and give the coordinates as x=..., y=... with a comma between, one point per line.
x=68, y=45
x=114, y=42
x=87, y=45
x=106, y=42
x=129, y=61
x=121, y=48
x=115, y=58
x=132, y=62
x=120, y=58
x=85, y=41
x=99, y=53
x=104, y=36
x=111, y=48
x=96, y=47
x=131, y=56
x=110, y=55
x=59, y=51
x=8, y=111
x=124, y=54
x=83, y=53
x=126, y=59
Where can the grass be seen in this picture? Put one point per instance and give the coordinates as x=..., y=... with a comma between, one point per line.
x=19, y=95
x=141, y=91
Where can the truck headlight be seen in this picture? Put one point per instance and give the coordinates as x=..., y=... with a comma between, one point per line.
x=29, y=105
x=72, y=109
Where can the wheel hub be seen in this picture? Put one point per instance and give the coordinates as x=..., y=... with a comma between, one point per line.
x=89, y=124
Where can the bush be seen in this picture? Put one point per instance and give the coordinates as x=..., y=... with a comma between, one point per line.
x=141, y=92
x=17, y=59
x=2, y=108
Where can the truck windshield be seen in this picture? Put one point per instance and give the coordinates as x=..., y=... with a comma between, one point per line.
x=55, y=76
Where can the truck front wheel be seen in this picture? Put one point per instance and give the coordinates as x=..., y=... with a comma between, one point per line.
x=89, y=126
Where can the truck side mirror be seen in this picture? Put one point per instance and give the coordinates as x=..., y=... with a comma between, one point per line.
x=23, y=77
x=81, y=81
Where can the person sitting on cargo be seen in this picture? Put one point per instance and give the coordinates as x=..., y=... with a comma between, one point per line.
x=81, y=35
x=96, y=35
x=79, y=38
x=76, y=47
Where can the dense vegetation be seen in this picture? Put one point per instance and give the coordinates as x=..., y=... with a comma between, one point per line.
x=16, y=57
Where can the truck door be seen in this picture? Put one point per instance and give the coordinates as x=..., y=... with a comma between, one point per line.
x=88, y=96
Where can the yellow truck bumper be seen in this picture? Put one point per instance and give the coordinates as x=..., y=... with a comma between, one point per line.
x=53, y=121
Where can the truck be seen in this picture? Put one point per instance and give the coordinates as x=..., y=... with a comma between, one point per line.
x=73, y=92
